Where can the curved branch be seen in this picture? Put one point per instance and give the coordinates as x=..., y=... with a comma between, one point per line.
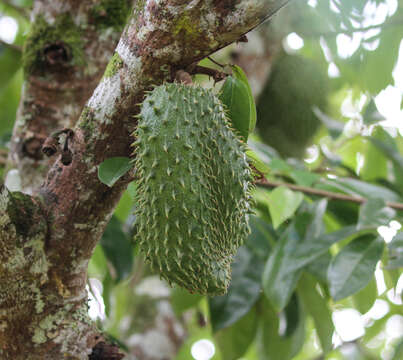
x=323, y=193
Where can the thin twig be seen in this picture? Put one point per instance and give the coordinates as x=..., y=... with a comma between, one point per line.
x=24, y=12
x=323, y=193
x=215, y=62
x=215, y=74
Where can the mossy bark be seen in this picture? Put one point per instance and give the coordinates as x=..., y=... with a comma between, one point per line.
x=65, y=55
x=37, y=317
x=47, y=241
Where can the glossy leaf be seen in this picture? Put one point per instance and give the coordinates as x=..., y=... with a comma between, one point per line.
x=240, y=75
x=182, y=300
x=254, y=159
x=365, y=298
x=293, y=252
x=364, y=189
x=374, y=213
x=112, y=169
x=234, y=340
x=309, y=251
x=371, y=114
x=261, y=237
x=354, y=266
x=118, y=249
x=318, y=308
x=283, y=203
x=278, y=282
x=243, y=292
x=395, y=248
x=318, y=268
x=234, y=95
x=375, y=164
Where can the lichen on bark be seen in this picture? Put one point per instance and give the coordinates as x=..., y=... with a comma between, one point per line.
x=114, y=65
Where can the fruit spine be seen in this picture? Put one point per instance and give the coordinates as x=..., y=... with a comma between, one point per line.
x=193, y=188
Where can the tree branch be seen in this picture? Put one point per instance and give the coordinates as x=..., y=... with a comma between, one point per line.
x=66, y=53
x=323, y=193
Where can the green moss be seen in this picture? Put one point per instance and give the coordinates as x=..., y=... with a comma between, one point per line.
x=63, y=33
x=111, y=13
x=21, y=210
x=187, y=26
x=114, y=65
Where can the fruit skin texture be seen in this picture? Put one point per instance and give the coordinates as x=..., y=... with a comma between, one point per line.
x=193, y=188
x=286, y=121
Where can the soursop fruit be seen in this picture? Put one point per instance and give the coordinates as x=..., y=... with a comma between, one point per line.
x=193, y=194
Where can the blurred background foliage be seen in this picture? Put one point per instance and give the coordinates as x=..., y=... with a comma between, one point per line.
x=317, y=278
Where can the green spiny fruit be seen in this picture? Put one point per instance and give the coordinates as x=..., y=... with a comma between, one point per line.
x=193, y=188
x=285, y=109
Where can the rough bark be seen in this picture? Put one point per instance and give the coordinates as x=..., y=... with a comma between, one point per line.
x=65, y=56
x=69, y=215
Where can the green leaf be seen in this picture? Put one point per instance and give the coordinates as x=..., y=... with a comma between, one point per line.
x=283, y=203
x=112, y=169
x=260, y=239
x=243, y=292
x=365, y=298
x=234, y=95
x=334, y=127
x=240, y=75
x=278, y=282
x=309, y=251
x=374, y=213
x=234, y=340
x=371, y=114
x=181, y=299
x=375, y=164
x=376, y=69
x=293, y=251
x=395, y=248
x=318, y=268
x=362, y=188
x=354, y=266
x=304, y=178
x=316, y=227
x=257, y=162
x=118, y=249
x=318, y=308
x=273, y=346
x=398, y=353
x=125, y=205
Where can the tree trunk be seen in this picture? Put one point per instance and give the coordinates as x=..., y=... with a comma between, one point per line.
x=47, y=238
